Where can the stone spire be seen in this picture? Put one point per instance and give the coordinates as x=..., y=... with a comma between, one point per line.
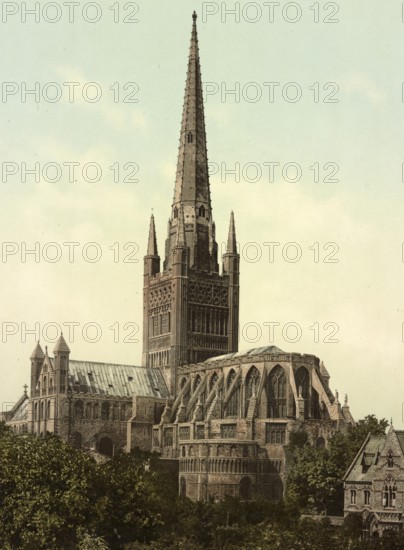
x=37, y=353
x=61, y=346
x=192, y=179
x=152, y=244
x=231, y=240
x=192, y=190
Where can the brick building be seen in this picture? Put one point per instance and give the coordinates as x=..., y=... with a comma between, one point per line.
x=374, y=483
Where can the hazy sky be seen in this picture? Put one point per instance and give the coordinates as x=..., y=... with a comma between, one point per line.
x=316, y=102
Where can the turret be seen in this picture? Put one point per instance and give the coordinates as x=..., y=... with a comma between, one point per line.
x=152, y=259
x=61, y=353
x=231, y=268
x=37, y=358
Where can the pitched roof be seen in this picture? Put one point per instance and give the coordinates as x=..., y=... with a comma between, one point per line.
x=400, y=437
x=61, y=345
x=20, y=411
x=253, y=352
x=112, y=380
x=37, y=353
x=365, y=462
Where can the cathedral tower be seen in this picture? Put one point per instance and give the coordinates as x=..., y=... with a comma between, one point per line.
x=190, y=309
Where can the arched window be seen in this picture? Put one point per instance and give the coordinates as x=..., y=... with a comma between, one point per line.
x=36, y=411
x=202, y=211
x=105, y=411
x=123, y=412
x=51, y=383
x=88, y=411
x=233, y=403
x=302, y=379
x=175, y=212
x=276, y=393
x=390, y=461
x=48, y=410
x=96, y=411
x=251, y=385
x=41, y=411
x=78, y=410
x=190, y=137
x=212, y=382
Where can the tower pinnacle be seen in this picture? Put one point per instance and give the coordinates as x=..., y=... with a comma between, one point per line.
x=231, y=240
x=152, y=244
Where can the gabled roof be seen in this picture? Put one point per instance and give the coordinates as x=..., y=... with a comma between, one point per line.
x=113, y=380
x=400, y=437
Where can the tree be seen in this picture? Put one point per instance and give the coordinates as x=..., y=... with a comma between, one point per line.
x=315, y=475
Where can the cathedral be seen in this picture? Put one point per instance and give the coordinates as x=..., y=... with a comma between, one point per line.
x=220, y=416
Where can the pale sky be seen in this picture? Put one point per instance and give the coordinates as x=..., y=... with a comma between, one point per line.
x=354, y=64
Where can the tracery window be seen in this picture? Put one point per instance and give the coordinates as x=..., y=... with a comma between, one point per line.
x=276, y=434
x=353, y=496
x=190, y=137
x=233, y=403
x=276, y=392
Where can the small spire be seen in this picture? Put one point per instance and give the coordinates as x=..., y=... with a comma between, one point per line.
x=152, y=244
x=181, y=239
x=25, y=389
x=231, y=240
x=61, y=346
x=194, y=16
x=346, y=400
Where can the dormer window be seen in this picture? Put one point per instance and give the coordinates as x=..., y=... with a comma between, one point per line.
x=190, y=137
x=390, y=461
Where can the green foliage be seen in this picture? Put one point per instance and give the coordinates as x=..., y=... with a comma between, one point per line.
x=52, y=497
x=315, y=475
